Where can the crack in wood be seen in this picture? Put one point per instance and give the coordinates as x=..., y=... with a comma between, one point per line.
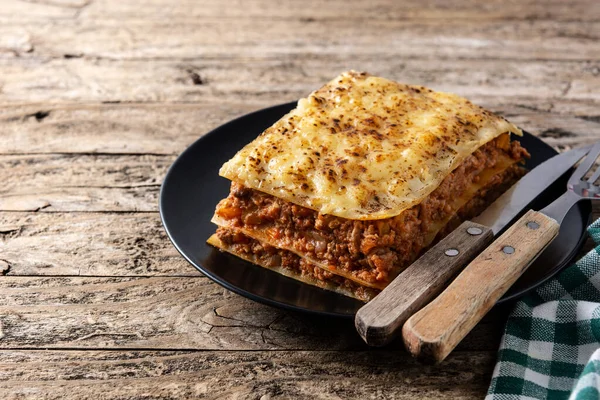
x=4, y=268
x=59, y=4
x=10, y=231
x=567, y=89
x=591, y=118
x=278, y=318
x=133, y=186
x=532, y=108
x=576, y=35
x=264, y=339
x=98, y=333
x=195, y=77
x=306, y=331
x=263, y=328
x=556, y=133
x=243, y=324
x=42, y=207
x=39, y=116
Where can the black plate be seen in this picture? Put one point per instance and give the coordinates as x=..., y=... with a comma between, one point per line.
x=192, y=188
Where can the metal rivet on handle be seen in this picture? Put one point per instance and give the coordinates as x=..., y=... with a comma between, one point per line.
x=508, y=249
x=451, y=252
x=474, y=231
x=533, y=225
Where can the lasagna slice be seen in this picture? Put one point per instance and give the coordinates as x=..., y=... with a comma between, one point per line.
x=351, y=186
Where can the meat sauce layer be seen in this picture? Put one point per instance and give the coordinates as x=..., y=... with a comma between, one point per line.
x=296, y=267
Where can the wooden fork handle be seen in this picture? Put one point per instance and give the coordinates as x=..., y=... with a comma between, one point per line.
x=433, y=332
x=379, y=321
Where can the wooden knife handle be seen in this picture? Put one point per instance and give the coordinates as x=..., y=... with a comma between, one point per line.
x=433, y=332
x=380, y=320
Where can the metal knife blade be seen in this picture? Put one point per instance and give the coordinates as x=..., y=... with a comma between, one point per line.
x=522, y=193
x=379, y=321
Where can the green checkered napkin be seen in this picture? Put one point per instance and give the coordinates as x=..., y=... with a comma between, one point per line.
x=550, y=348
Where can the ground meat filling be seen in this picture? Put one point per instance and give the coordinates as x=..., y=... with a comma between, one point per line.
x=371, y=251
x=272, y=257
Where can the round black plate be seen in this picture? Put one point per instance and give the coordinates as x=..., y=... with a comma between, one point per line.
x=193, y=187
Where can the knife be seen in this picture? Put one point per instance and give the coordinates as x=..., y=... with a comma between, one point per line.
x=433, y=332
x=378, y=321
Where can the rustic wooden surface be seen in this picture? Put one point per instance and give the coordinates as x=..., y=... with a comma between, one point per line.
x=98, y=97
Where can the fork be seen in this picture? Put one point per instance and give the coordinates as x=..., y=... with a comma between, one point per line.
x=434, y=331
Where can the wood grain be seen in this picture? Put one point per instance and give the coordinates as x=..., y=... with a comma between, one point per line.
x=380, y=320
x=238, y=375
x=97, y=97
x=283, y=79
x=156, y=10
x=77, y=182
x=92, y=244
x=434, y=331
x=169, y=313
x=201, y=38
x=157, y=129
x=166, y=129
x=151, y=313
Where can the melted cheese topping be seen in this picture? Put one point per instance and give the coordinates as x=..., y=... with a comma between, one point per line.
x=363, y=147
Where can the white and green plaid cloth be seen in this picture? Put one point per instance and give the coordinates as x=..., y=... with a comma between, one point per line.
x=551, y=344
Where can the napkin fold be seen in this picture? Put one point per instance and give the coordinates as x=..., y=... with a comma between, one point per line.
x=551, y=344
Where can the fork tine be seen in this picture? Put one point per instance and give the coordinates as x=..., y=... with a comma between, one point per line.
x=586, y=164
x=595, y=177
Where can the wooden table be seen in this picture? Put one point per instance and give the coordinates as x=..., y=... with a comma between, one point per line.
x=97, y=99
